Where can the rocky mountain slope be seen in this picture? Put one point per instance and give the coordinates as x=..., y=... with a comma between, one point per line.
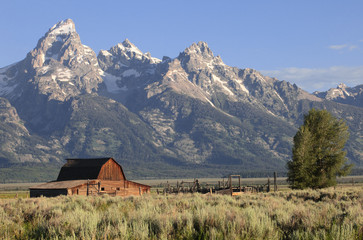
x=343, y=94
x=186, y=116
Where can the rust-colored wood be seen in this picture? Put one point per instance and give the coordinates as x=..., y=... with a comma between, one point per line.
x=114, y=188
x=111, y=170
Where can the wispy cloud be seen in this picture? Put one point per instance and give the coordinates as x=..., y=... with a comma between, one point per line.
x=319, y=79
x=343, y=47
x=338, y=47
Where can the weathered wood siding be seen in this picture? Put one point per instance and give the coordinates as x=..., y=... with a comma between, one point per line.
x=111, y=171
x=114, y=188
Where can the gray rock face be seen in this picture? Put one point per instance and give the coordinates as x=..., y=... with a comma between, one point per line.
x=9, y=115
x=197, y=73
x=125, y=67
x=64, y=67
x=344, y=94
x=221, y=83
x=60, y=67
x=18, y=145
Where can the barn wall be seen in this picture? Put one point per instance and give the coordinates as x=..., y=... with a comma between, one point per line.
x=47, y=192
x=113, y=188
x=111, y=171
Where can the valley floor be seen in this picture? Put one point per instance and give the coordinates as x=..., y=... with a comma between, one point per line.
x=322, y=214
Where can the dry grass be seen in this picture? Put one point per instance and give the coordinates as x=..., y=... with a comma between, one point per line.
x=14, y=194
x=323, y=214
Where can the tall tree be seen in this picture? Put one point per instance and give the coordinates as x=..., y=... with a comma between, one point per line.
x=318, y=155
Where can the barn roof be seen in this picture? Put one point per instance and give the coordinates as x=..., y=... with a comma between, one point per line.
x=83, y=168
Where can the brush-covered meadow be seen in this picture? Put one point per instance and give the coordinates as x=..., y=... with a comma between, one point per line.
x=308, y=214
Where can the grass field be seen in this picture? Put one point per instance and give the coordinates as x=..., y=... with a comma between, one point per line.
x=322, y=214
x=12, y=190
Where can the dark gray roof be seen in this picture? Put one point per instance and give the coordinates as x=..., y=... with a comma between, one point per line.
x=81, y=168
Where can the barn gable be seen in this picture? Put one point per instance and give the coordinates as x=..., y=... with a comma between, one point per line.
x=94, y=168
x=111, y=170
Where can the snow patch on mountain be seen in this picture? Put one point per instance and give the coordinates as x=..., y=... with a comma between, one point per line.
x=129, y=47
x=110, y=82
x=131, y=72
x=62, y=75
x=87, y=49
x=217, y=80
x=106, y=53
x=242, y=86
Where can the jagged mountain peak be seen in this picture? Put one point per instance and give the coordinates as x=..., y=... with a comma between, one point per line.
x=60, y=66
x=250, y=71
x=125, y=53
x=126, y=56
x=126, y=45
x=200, y=48
x=61, y=43
x=342, y=86
x=341, y=91
x=64, y=27
x=344, y=94
x=199, y=57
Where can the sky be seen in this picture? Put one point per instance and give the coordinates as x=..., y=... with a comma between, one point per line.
x=315, y=44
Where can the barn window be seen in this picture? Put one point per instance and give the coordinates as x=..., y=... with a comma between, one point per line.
x=102, y=189
x=118, y=189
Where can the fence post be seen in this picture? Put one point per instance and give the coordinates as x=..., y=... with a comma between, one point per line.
x=230, y=184
x=239, y=183
x=87, y=187
x=275, y=181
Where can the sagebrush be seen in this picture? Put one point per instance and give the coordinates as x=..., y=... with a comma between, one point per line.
x=308, y=214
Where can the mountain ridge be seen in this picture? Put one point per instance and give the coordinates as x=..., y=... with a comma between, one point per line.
x=184, y=116
x=343, y=94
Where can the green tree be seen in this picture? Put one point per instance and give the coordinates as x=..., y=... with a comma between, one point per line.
x=318, y=155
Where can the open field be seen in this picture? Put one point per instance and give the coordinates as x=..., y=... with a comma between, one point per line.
x=244, y=181
x=16, y=186
x=323, y=214
x=10, y=190
x=14, y=194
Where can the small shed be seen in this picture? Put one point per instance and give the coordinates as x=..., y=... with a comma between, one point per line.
x=95, y=176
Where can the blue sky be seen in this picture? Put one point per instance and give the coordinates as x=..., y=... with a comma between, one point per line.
x=315, y=44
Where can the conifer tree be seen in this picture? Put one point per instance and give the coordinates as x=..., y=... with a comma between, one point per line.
x=318, y=155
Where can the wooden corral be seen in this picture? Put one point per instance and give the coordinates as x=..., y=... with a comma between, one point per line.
x=90, y=177
x=229, y=187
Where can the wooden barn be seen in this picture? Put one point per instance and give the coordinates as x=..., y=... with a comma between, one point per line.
x=86, y=177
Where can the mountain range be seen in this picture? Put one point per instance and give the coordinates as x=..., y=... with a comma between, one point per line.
x=188, y=116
